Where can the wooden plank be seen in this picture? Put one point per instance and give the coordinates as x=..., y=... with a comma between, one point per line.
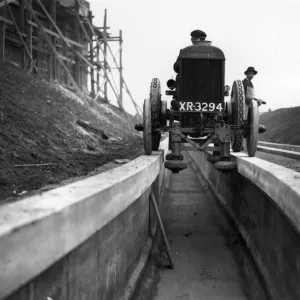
x=85, y=60
x=50, y=32
x=6, y=21
x=35, y=165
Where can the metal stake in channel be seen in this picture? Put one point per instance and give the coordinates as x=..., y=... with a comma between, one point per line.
x=162, y=230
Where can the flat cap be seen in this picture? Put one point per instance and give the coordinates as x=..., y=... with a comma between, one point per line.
x=198, y=34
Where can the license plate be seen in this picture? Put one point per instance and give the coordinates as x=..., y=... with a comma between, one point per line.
x=201, y=106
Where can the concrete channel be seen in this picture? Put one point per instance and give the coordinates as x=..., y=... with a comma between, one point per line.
x=205, y=266
x=232, y=235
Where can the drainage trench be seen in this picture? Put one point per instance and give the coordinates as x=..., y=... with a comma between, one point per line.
x=210, y=259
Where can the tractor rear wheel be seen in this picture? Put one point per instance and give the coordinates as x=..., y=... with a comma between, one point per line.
x=147, y=131
x=253, y=126
x=156, y=106
x=155, y=98
x=237, y=110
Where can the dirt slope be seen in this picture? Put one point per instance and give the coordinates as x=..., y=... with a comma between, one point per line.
x=283, y=126
x=42, y=123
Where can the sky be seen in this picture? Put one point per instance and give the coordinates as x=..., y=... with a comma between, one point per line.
x=264, y=34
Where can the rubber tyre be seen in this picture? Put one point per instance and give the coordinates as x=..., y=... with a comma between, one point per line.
x=237, y=103
x=225, y=165
x=170, y=141
x=147, y=132
x=229, y=112
x=216, y=152
x=163, y=113
x=253, y=126
x=213, y=158
x=156, y=136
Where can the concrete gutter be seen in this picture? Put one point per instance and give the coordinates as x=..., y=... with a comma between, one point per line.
x=281, y=152
x=282, y=185
x=263, y=200
x=37, y=232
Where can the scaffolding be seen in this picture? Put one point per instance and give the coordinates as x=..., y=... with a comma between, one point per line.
x=58, y=41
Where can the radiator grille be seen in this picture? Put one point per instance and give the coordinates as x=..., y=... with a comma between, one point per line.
x=201, y=80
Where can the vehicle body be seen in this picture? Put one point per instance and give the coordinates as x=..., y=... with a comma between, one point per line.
x=199, y=114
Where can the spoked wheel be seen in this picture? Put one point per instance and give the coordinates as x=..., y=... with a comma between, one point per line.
x=252, y=128
x=155, y=98
x=152, y=118
x=156, y=103
x=237, y=106
x=147, y=131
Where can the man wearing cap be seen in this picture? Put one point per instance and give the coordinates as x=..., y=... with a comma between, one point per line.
x=197, y=37
x=248, y=86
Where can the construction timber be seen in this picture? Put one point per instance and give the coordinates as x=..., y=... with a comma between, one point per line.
x=57, y=40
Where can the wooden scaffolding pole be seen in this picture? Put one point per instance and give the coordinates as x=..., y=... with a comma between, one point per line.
x=2, y=34
x=139, y=111
x=88, y=37
x=121, y=66
x=105, y=55
x=90, y=17
x=52, y=60
x=77, y=39
x=28, y=4
x=22, y=29
x=106, y=77
x=61, y=75
x=98, y=75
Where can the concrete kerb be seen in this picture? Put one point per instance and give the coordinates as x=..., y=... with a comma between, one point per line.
x=279, y=183
x=280, y=146
x=76, y=211
x=281, y=152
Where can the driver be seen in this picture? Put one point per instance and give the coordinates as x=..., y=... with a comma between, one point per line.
x=248, y=86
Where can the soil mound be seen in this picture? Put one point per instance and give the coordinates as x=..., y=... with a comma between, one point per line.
x=283, y=126
x=47, y=135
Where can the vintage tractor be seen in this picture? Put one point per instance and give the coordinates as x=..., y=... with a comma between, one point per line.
x=199, y=114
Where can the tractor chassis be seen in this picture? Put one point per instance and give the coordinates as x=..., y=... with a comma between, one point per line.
x=220, y=136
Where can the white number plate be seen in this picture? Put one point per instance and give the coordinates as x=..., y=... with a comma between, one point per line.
x=201, y=106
